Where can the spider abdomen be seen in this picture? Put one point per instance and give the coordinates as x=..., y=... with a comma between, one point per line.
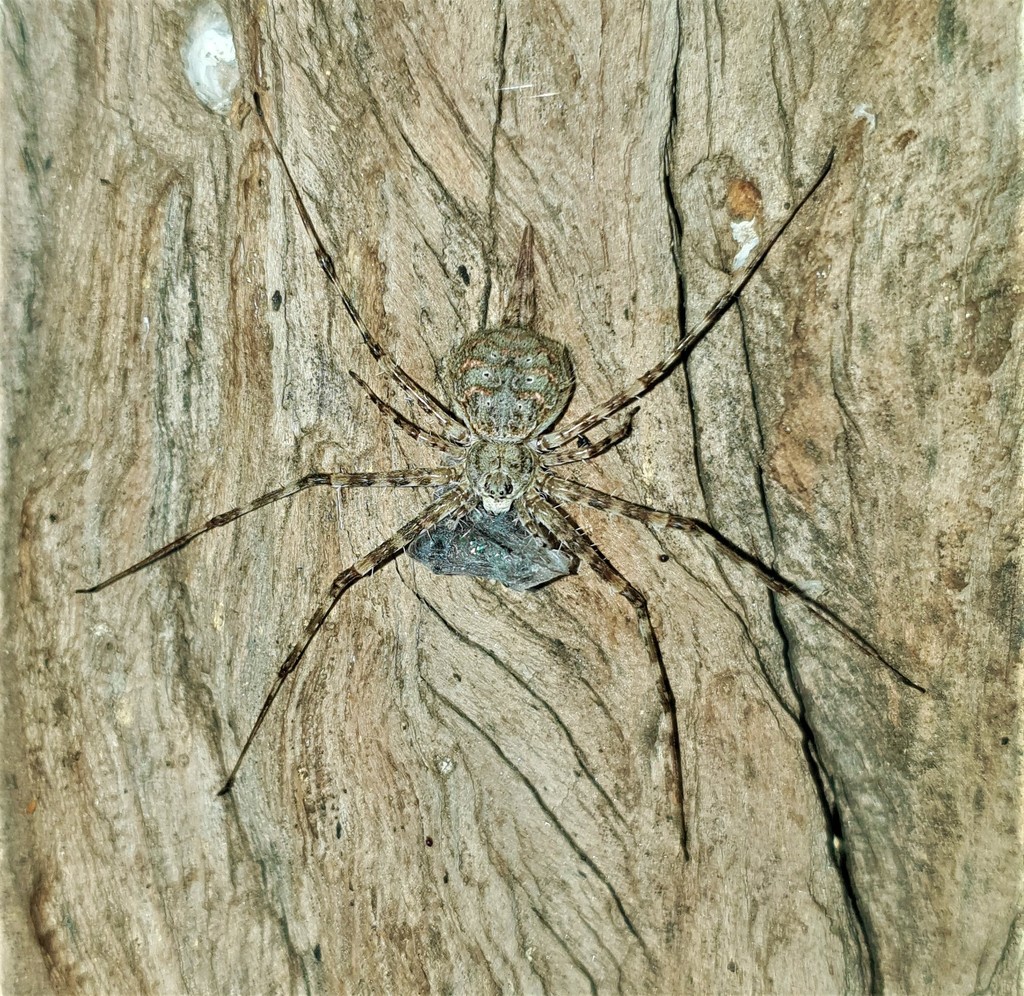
x=509, y=383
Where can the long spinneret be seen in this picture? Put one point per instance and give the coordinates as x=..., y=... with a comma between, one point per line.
x=509, y=388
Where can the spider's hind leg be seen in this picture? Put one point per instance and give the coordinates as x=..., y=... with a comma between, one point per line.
x=561, y=489
x=408, y=426
x=451, y=424
x=569, y=533
x=451, y=503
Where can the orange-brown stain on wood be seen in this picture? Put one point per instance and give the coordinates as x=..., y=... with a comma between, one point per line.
x=743, y=199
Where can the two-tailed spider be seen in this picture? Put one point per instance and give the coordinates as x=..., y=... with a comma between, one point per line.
x=498, y=509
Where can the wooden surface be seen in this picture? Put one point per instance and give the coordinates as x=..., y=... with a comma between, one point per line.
x=463, y=789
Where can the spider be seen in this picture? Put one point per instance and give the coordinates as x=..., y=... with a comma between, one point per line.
x=498, y=509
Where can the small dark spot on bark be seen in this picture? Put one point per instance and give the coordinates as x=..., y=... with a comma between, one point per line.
x=463, y=274
x=731, y=966
x=52, y=517
x=1004, y=740
x=445, y=879
x=905, y=138
x=316, y=952
x=275, y=300
x=429, y=842
x=104, y=181
x=337, y=829
x=664, y=558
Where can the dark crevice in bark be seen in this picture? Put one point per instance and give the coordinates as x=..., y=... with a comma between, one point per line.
x=556, y=824
x=1008, y=954
x=564, y=945
x=821, y=777
x=824, y=783
x=500, y=41
x=541, y=702
x=675, y=223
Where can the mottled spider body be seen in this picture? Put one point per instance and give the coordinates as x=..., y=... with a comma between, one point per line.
x=510, y=383
x=507, y=384
x=498, y=507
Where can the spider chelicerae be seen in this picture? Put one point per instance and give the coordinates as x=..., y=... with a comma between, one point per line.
x=498, y=509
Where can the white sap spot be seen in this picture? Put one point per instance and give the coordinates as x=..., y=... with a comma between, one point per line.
x=812, y=586
x=209, y=58
x=862, y=112
x=445, y=765
x=124, y=713
x=745, y=234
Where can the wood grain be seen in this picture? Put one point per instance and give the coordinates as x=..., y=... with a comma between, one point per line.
x=463, y=790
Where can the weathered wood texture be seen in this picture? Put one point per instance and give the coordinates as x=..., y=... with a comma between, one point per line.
x=463, y=789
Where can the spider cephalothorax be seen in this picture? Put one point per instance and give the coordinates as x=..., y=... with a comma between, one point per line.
x=498, y=507
x=499, y=473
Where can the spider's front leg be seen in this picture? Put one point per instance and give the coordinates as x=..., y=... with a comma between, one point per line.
x=453, y=502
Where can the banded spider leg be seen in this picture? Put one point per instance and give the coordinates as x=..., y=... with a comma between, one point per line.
x=545, y=508
x=452, y=426
x=565, y=530
x=509, y=387
x=560, y=489
x=451, y=502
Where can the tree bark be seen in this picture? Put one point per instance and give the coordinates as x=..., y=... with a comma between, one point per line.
x=463, y=788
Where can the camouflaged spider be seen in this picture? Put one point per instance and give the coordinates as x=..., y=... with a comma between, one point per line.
x=498, y=510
